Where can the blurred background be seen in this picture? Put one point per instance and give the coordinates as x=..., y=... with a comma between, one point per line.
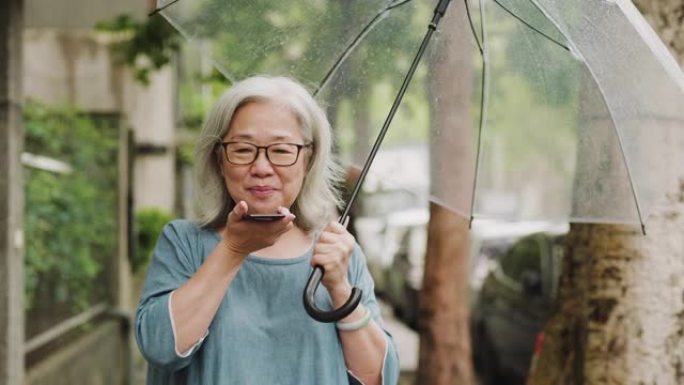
x=111, y=102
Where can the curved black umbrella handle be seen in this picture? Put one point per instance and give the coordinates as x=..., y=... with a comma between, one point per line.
x=322, y=315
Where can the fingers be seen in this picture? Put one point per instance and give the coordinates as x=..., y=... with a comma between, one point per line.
x=334, y=246
x=335, y=232
x=238, y=211
x=246, y=236
x=337, y=228
x=289, y=217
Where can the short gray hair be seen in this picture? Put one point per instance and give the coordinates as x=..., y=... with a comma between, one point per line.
x=319, y=197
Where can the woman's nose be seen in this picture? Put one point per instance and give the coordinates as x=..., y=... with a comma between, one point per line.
x=262, y=165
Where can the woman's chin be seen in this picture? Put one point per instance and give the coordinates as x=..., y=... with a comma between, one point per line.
x=260, y=208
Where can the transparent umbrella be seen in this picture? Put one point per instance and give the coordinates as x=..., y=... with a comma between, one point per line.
x=519, y=109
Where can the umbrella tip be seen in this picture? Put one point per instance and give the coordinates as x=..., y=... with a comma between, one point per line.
x=643, y=228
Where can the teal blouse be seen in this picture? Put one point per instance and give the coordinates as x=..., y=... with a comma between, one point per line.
x=260, y=334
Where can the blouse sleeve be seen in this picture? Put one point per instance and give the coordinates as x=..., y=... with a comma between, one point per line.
x=172, y=264
x=361, y=278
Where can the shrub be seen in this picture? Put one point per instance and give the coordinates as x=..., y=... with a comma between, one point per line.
x=148, y=224
x=70, y=218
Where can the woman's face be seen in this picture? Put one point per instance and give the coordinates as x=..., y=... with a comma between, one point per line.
x=263, y=185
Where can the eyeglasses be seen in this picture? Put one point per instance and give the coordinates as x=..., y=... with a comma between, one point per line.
x=279, y=154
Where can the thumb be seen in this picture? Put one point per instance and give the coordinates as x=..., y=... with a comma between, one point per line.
x=238, y=211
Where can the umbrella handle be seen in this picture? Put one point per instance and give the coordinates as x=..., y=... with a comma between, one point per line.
x=322, y=315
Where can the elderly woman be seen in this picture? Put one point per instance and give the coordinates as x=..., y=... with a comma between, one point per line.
x=222, y=302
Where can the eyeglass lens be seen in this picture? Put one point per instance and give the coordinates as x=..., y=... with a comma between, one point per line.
x=280, y=154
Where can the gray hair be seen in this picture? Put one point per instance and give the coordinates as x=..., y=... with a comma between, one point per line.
x=319, y=197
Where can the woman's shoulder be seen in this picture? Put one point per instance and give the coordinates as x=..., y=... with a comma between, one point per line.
x=185, y=229
x=181, y=225
x=188, y=239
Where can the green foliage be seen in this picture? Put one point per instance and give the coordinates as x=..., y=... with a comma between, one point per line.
x=151, y=45
x=185, y=153
x=70, y=219
x=148, y=225
x=304, y=39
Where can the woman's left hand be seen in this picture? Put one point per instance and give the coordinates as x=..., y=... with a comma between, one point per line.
x=332, y=252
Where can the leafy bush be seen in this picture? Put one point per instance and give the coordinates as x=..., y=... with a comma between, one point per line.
x=70, y=218
x=148, y=224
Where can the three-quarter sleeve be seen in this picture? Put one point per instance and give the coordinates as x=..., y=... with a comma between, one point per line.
x=361, y=278
x=171, y=266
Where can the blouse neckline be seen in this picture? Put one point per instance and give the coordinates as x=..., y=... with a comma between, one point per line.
x=272, y=261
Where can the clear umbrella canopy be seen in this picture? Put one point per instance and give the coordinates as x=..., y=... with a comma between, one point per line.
x=521, y=109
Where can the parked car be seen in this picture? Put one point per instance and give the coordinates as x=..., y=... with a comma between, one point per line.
x=394, y=244
x=404, y=276
x=396, y=254
x=512, y=305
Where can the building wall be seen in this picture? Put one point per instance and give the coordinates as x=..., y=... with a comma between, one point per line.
x=53, y=14
x=76, y=67
x=66, y=62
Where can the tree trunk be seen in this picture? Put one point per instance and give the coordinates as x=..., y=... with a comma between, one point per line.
x=444, y=332
x=445, y=356
x=621, y=310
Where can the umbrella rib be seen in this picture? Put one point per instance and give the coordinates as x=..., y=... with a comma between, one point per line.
x=530, y=26
x=439, y=12
x=622, y=149
x=472, y=26
x=156, y=11
x=484, y=105
x=355, y=42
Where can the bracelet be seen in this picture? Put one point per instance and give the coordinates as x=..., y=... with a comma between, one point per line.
x=355, y=325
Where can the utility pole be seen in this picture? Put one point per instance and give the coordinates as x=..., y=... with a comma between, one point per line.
x=11, y=195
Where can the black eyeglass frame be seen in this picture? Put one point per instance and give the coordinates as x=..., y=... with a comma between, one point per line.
x=224, y=146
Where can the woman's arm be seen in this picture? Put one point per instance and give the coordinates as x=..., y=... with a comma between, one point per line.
x=364, y=348
x=194, y=304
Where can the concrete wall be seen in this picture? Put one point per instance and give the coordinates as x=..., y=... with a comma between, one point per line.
x=151, y=113
x=60, y=14
x=76, y=67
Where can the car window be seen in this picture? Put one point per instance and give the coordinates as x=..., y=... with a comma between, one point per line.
x=522, y=256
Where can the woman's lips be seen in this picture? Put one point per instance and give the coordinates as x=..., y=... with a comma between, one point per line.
x=262, y=191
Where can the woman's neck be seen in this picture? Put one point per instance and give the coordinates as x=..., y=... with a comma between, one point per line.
x=293, y=243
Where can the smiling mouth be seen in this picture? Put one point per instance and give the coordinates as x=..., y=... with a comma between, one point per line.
x=261, y=191
x=261, y=188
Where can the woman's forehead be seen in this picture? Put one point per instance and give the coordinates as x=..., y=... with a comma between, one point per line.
x=263, y=136
x=264, y=120
x=264, y=132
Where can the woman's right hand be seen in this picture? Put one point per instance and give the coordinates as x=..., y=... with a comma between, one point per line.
x=244, y=236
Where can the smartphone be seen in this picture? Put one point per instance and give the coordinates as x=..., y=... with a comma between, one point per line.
x=263, y=217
